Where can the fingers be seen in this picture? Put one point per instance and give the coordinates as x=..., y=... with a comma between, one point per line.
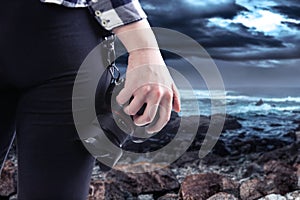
x=159, y=100
x=152, y=99
x=124, y=96
x=148, y=115
x=135, y=105
x=176, y=99
x=164, y=116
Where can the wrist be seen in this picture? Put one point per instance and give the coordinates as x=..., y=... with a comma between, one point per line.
x=145, y=56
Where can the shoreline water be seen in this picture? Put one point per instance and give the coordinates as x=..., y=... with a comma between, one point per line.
x=251, y=143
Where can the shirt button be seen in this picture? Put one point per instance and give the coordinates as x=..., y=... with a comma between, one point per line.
x=98, y=13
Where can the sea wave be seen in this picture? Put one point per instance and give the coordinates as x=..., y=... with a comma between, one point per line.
x=232, y=96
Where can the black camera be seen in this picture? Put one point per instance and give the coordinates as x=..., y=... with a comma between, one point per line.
x=117, y=125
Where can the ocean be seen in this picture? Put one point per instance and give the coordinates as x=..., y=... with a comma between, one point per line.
x=274, y=117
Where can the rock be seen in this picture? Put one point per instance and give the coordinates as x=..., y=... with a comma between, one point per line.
x=231, y=122
x=101, y=190
x=298, y=135
x=8, y=180
x=145, y=197
x=280, y=178
x=273, y=197
x=187, y=124
x=297, y=166
x=293, y=195
x=286, y=154
x=222, y=196
x=97, y=190
x=187, y=159
x=14, y=197
x=253, y=169
x=169, y=196
x=201, y=186
x=220, y=148
x=292, y=135
x=252, y=144
x=249, y=190
x=230, y=186
x=259, y=103
x=152, y=182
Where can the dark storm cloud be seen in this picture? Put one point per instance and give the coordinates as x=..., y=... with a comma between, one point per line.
x=290, y=11
x=186, y=10
x=292, y=25
x=234, y=41
x=237, y=35
x=258, y=55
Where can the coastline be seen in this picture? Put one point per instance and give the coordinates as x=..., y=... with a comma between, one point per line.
x=246, y=173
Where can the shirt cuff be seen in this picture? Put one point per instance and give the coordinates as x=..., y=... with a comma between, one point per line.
x=114, y=13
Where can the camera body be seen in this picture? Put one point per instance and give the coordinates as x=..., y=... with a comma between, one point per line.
x=117, y=125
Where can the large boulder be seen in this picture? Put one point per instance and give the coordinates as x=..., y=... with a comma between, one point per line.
x=203, y=186
x=280, y=178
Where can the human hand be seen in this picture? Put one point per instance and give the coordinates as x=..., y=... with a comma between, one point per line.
x=149, y=81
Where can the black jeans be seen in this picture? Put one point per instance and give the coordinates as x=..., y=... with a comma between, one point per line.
x=42, y=47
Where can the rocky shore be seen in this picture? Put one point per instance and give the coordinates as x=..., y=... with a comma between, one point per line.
x=241, y=167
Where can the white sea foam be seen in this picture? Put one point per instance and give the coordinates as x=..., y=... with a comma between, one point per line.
x=231, y=95
x=236, y=103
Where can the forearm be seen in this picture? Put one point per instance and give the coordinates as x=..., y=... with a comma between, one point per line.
x=139, y=40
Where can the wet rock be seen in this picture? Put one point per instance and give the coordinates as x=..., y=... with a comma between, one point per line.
x=293, y=195
x=287, y=154
x=220, y=148
x=253, y=169
x=292, y=135
x=151, y=182
x=191, y=124
x=254, y=145
x=222, y=196
x=259, y=103
x=250, y=189
x=169, y=196
x=231, y=122
x=200, y=186
x=8, y=180
x=187, y=159
x=273, y=197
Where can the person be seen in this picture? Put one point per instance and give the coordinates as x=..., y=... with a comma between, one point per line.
x=42, y=47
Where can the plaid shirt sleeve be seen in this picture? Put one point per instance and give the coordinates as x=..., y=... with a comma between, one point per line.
x=109, y=13
x=113, y=13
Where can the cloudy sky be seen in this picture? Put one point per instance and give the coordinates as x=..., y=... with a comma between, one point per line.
x=253, y=42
